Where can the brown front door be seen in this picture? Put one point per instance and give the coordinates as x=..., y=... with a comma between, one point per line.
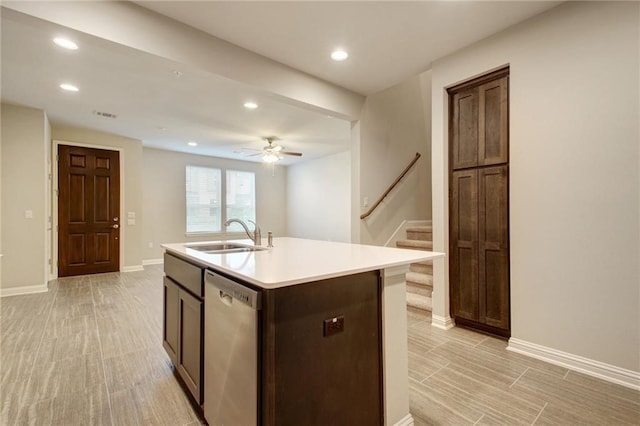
x=88, y=211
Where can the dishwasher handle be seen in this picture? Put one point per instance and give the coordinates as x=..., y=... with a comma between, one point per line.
x=233, y=291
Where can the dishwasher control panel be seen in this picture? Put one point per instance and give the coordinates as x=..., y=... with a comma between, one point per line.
x=232, y=290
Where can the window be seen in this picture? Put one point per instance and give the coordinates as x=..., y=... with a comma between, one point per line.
x=208, y=206
x=204, y=190
x=241, y=197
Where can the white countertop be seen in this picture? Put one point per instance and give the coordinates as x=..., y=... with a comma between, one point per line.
x=295, y=261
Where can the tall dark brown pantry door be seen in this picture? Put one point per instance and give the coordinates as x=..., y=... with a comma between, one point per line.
x=479, y=203
x=88, y=211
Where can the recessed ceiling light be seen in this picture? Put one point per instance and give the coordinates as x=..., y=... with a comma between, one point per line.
x=69, y=87
x=250, y=105
x=66, y=43
x=192, y=143
x=339, y=55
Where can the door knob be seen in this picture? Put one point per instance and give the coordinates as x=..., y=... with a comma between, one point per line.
x=116, y=226
x=115, y=219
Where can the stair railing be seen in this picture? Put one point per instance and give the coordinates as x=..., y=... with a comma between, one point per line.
x=391, y=187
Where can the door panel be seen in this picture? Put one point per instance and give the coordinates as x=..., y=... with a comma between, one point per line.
x=493, y=242
x=88, y=209
x=464, y=129
x=171, y=319
x=493, y=123
x=190, y=344
x=464, y=245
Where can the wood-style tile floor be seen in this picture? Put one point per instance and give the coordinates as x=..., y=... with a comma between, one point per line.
x=89, y=352
x=459, y=377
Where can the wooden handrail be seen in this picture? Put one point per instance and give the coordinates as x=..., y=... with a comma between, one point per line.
x=393, y=185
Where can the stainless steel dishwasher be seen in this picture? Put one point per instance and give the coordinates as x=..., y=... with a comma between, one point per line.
x=230, y=352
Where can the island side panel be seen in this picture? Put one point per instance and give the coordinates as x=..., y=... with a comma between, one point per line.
x=314, y=373
x=395, y=356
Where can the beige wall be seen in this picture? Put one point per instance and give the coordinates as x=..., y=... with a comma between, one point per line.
x=163, y=175
x=574, y=176
x=131, y=196
x=24, y=188
x=319, y=198
x=394, y=125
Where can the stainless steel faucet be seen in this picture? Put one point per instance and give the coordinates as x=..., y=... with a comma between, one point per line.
x=256, y=237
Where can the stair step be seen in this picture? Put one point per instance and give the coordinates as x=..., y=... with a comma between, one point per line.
x=420, y=279
x=423, y=233
x=419, y=302
x=415, y=244
x=419, y=289
x=421, y=268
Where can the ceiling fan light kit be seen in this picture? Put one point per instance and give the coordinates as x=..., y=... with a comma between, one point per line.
x=270, y=157
x=273, y=153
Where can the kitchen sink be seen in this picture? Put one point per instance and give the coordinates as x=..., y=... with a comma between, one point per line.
x=223, y=248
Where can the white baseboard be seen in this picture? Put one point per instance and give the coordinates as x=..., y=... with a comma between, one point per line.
x=588, y=366
x=134, y=268
x=405, y=421
x=29, y=289
x=159, y=261
x=444, y=323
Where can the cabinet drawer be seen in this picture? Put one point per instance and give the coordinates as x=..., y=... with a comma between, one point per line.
x=187, y=275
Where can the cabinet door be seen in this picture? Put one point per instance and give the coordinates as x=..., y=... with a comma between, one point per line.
x=464, y=129
x=493, y=122
x=493, y=242
x=170, y=321
x=464, y=244
x=190, y=347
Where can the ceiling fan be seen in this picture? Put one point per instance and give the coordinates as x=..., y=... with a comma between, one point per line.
x=272, y=153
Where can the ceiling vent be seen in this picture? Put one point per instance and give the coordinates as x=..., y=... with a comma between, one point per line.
x=105, y=114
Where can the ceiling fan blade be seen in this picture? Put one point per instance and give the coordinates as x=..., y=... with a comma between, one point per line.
x=296, y=154
x=253, y=155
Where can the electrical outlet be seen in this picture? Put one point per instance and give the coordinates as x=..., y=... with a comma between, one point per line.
x=333, y=326
x=150, y=245
x=365, y=201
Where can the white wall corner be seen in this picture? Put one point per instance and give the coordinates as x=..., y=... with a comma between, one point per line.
x=406, y=421
x=598, y=369
x=18, y=291
x=134, y=268
x=444, y=323
x=147, y=262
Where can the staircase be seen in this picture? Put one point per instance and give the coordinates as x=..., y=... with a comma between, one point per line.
x=420, y=276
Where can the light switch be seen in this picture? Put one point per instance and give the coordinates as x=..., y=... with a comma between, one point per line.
x=131, y=215
x=365, y=201
x=131, y=221
x=28, y=214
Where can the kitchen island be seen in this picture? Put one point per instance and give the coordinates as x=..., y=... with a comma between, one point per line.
x=330, y=330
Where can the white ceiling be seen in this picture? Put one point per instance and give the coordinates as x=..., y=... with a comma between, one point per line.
x=388, y=42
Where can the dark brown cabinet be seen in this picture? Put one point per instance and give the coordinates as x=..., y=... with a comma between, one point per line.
x=323, y=340
x=479, y=128
x=183, y=332
x=191, y=343
x=479, y=207
x=171, y=319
